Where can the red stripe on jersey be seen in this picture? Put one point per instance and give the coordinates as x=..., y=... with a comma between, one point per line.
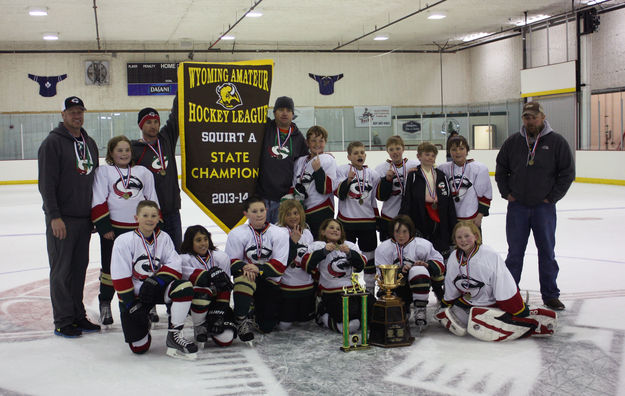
x=170, y=271
x=277, y=266
x=328, y=186
x=484, y=201
x=328, y=203
x=195, y=274
x=513, y=305
x=123, y=285
x=99, y=211
x=357, y=220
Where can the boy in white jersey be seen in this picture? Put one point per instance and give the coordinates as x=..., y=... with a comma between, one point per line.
x=314, y=180
x=392, y=185
x=358, y=208
x=259, y=253
x=469, y=182
x=146, y=270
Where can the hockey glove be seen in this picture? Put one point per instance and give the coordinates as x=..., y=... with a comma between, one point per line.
x=219, y=279
x=215, y=317
x=152, y=290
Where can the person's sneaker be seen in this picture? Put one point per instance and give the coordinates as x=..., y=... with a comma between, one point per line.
x=420, y=317
x=106, y=316
x=85, y=326
x=178, y=346
x=69, y=331
x=554, y=303
x=245, y=329
x=153, y=315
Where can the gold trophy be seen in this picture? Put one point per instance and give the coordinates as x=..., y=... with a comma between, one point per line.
x=353, y=342
x=389, y=327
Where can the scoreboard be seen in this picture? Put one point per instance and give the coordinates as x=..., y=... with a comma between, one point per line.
x=152, y=78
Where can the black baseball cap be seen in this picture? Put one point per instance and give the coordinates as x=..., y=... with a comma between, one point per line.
x=73, y=101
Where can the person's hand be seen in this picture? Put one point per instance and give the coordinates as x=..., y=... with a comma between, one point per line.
x=250, y=271
x=389, y=175
x=546, y=200
x=330, y=246
x=296, y=233
x=109, y=235
x=58, y=228
x=343, y=248
x=477, y=220
x=421, y=263
x=406, y=268
x=351, y=175
x=316, y=163
x=510, y=198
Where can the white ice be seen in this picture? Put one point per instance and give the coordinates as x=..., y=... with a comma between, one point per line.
x=584, y=357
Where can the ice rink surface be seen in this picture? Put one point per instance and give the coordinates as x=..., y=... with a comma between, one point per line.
x=584, y=357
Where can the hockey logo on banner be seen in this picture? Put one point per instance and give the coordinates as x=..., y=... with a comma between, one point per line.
x=222, y=109
x=376, y=116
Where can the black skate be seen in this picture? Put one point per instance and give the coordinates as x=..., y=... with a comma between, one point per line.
x=106, y=316
x=245, y=329
x=178, y=346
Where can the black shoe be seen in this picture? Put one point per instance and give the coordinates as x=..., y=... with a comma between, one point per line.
x=85, y=326
x=69, y=331
x=554, y=303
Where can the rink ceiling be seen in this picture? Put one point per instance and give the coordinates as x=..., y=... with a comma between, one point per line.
x=584, y=357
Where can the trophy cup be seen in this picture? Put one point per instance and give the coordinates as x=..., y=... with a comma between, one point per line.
x=352, y=342
x=389, y=327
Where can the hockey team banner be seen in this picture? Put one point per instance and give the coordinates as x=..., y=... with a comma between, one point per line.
x=222, y=110
x=376, y=116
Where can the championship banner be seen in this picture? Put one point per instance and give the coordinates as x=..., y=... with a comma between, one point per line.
x=222, y=109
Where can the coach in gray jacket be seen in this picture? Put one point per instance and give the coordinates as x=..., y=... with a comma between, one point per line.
x=535, y=169
x=67, y=159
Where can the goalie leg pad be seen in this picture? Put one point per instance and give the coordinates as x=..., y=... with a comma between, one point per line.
x=491, y=324
x=547, y=321
x=450, y=321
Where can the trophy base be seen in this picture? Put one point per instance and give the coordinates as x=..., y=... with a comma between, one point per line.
x=389, y=328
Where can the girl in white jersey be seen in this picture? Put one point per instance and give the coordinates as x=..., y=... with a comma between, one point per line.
x=297, y=286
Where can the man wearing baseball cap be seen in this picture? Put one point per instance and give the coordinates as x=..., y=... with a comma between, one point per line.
x=67, y=159
x=535, y=169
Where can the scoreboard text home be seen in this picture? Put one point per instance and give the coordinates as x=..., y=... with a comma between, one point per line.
x=152, y=78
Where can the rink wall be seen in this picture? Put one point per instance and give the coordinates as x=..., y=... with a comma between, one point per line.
x=601, y=167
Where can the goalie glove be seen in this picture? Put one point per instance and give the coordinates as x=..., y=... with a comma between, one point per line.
x=152, y=290
x=215, y=317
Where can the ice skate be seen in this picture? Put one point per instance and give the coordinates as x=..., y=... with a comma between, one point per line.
x=153, y=315
x=420, y=318
x=106, y=316
x=245, y=329
x=178, y=346
x=200, y=333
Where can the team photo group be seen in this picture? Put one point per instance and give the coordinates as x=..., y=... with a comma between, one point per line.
x=311, y=225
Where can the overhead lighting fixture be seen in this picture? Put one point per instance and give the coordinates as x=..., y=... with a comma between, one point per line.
x=437, y=15
x=532, y=19
x=381, y=37
x=254, y=14
x=228, y=37
x=593, y=2
x=37, y=11
x=50, y=36
x=474, y=36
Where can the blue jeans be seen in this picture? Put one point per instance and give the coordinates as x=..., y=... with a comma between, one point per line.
x=541, y=220
x=272, y=211
x=173, y=227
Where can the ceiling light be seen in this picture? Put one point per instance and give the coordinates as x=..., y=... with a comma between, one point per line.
x=254, y=14
x=437, y=15
x=592, y=2
x=381, y=37
x=37, y=11
x=228, y=37
x=50, y=36
x=531, y=19
x=474, y=36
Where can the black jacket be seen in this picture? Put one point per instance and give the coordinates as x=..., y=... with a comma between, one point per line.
x=66, y=187
x=548, y=178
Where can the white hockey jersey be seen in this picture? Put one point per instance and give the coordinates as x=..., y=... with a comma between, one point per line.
x=417, y=249
x=306, y=189
x=390, y=207
x=360, y=204
x=470, y=186
x=334, y=270
x=269, y=249
x=482, y=281
x=133, y=261
x=118, y=196
x=295, y=277
x=191, y=263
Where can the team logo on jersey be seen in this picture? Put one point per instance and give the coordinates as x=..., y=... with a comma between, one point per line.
x=337, y=267
x=355, y=190
x=279, y=152
x=465, y=184
x=142, y=269
x=133, y=189
x=406, y=261
x=442, y=186
x=252, y=254
x=299, y=253
x=156, y=165
x=397, y=183
x=229, y=97
x=467, y=285
x=302, y=185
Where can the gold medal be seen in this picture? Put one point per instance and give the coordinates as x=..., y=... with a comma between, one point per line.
x=162, y=172
x=126, y=196
x=531, y=162
x=434, y=205
x=360, y=201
